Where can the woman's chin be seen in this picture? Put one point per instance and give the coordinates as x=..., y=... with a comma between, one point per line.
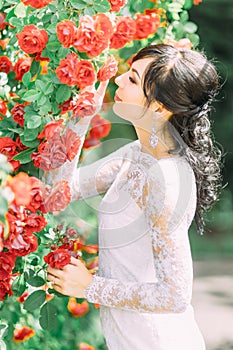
x=128, y=111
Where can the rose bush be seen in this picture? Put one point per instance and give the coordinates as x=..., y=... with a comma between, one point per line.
x=51, y=52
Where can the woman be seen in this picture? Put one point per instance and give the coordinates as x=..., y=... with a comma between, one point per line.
x=154, y=187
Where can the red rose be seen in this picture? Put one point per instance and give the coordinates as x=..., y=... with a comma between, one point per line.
x=116, y=5
x=21, y=67
x=36, y=193
x=18, y=113
x=38, y=4
x=93, y=34
x=145, y=25
x=50, y=129
x=197, y=2
x=5, y=64
x=24, y=333
x=65, y=106
x=108, y=70
x=5, y=288
x=51, y=154
x=85, y=105
x=3, y=108
x=90, y=142
x=32, y=40
x=65, y=70
x=15, y=218
x=72, y=143
x=35, y=223
x=2, y=21
x=23, y=244
x=1, y=235
x=21, y=187
x=100, y=127
x=20, y=146
x=65, y=32
x=58, y=258
x=77, y=309
x=57, y=197
x=7, y=262
x=124, y=33
x=84, y=74
x=8, y=148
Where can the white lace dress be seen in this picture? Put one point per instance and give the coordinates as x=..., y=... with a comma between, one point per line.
x=144, y=282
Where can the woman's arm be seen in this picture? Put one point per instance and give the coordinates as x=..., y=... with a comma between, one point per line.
x=167, y=200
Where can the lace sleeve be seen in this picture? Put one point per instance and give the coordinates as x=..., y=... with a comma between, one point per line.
x=167, y=199
x=88, y=180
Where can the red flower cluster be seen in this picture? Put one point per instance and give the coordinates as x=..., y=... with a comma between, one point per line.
x=18, y=113
x=146, y=24
x=84, y=106
x=71, y=71
x=57, y=197
x=5, y=64
x=32, y=40
x=77, y=309
x=66, y=32
x=23, y=334
x=116, y=5
x=124, y=32
x=93, y=34
x=7, y=262
x=10, y=148
x=108, y=70
x=3, y=108
x=100, y=127
x=22, y=66
x=56, y=149
x=58, y=258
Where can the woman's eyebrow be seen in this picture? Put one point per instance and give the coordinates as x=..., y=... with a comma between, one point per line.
x=135, y=71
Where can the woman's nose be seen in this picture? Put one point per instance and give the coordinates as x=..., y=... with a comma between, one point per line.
x=120, y=81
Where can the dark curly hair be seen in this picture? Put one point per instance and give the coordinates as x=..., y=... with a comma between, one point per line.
x=185, y=83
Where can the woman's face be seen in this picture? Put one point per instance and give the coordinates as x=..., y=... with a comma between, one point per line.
x=130, y=88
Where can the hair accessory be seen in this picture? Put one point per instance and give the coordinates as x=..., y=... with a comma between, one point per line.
x=153, y=140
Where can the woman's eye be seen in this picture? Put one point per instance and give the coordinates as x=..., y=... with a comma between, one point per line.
x=132, y=80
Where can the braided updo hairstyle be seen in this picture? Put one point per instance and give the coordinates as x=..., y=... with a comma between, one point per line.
x=185, y=83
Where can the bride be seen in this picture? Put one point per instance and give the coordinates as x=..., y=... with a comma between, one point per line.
x=154, y=187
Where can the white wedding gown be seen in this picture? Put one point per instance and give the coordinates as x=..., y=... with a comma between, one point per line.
x=144, y=282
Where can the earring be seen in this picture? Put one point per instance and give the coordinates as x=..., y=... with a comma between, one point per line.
x=153, y=140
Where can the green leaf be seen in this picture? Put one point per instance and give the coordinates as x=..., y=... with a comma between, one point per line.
x=30, y=143
x=89, y=11
x=42, y=100
x=19, y=285
x=63, y=93
x=190, y=27
x=78, y=4
x=45, y=109
x=52, y=28
x=27, y=78
x=53, y=46
x=3, y=205
x=30, y=135
x=102, y=6
x=35, y=300
x=16, y=22
x=48, y=316
x=36, y=281
x=25, y=156
x=35, y=67
x=20, y=10
x=31, y=95
x=48, y=88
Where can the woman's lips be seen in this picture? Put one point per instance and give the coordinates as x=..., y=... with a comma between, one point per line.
x=117, y=98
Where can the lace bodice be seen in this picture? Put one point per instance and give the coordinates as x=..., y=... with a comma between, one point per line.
x=164, y=193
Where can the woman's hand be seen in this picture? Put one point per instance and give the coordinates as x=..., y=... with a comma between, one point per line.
x=72, y=280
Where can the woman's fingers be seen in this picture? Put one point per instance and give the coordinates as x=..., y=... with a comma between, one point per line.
x=54, y=272
x=102, y=87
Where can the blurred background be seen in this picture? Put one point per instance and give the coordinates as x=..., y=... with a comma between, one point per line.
x=213, y=252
